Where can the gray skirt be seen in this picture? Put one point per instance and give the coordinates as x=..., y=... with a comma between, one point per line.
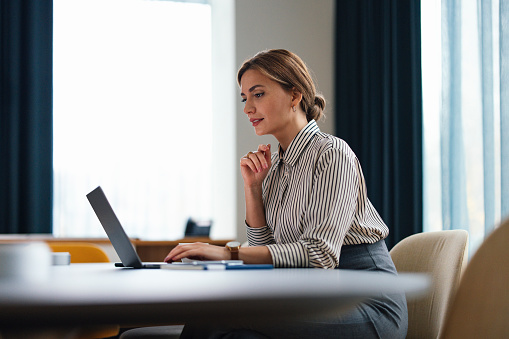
x=384, y=317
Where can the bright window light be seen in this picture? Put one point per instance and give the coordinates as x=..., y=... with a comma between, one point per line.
x=461, y=116
x=133, y=114
x=431, y=92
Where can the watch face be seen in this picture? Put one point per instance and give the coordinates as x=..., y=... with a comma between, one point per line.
x=233, y=244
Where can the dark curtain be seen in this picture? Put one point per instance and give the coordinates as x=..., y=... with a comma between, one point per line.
x=26, y=116
x=379, y=104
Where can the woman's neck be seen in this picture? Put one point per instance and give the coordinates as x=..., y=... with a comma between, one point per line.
x=287, y=136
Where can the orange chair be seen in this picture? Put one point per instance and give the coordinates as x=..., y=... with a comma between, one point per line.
x=82, y=252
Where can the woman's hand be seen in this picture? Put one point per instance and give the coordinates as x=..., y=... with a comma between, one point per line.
x=254, y=166
x=202, y=251
x=198, y=251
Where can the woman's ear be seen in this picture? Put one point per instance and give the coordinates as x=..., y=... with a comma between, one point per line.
x=296, y=97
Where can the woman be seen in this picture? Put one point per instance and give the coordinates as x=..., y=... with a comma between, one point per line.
x=306, y=204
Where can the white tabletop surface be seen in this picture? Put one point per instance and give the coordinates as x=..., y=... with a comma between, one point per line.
x=81, y=294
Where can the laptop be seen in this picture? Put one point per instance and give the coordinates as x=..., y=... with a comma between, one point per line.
x=128, y=255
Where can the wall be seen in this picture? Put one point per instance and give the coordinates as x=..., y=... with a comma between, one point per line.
x=306, y=28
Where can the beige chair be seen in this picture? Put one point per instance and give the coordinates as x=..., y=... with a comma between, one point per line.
x=480, y=308
x=441, y=254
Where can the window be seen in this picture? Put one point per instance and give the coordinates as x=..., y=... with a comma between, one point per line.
x=463, y=115
x=133, y=113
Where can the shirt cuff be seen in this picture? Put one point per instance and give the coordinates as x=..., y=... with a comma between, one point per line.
x=289, y=255
x=259, y=236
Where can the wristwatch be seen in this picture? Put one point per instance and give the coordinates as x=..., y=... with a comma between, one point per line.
x=233, y=247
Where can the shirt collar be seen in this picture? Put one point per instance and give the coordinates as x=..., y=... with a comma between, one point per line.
x=298, y=144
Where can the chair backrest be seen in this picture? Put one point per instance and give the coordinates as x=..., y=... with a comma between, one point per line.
x=81, y=252
x=443, y=256
x=480, y=308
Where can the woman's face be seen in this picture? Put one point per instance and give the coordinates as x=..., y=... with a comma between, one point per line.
x=267, y=105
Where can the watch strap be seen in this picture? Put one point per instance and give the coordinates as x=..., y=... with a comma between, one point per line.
x=234, y=254
x=233, y=247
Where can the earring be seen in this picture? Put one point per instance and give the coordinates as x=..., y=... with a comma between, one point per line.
x=294, y=108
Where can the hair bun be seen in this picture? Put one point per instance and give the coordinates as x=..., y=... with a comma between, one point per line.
x=320, y=101
x=315, y=112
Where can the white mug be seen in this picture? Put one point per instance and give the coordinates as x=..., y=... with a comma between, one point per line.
x=25, y=261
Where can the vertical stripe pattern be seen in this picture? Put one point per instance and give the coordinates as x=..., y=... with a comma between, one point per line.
x=315, y=201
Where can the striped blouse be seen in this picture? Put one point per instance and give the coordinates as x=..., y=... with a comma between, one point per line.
x=315, y=201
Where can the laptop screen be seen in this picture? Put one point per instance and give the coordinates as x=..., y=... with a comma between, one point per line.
x=114, y=229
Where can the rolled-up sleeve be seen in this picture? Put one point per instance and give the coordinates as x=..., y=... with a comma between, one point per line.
x=259, y=236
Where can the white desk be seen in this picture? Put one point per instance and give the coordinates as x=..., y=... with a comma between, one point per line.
x=82, y=294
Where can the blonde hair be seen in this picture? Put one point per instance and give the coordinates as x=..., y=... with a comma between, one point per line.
x=287, y=69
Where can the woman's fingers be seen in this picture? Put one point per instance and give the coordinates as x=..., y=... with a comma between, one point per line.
x=264, y=152
x=254, y=157
x=177, y=253
x=199, y=251
x=190, y=254
x=259, y=160
x=267, y=154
